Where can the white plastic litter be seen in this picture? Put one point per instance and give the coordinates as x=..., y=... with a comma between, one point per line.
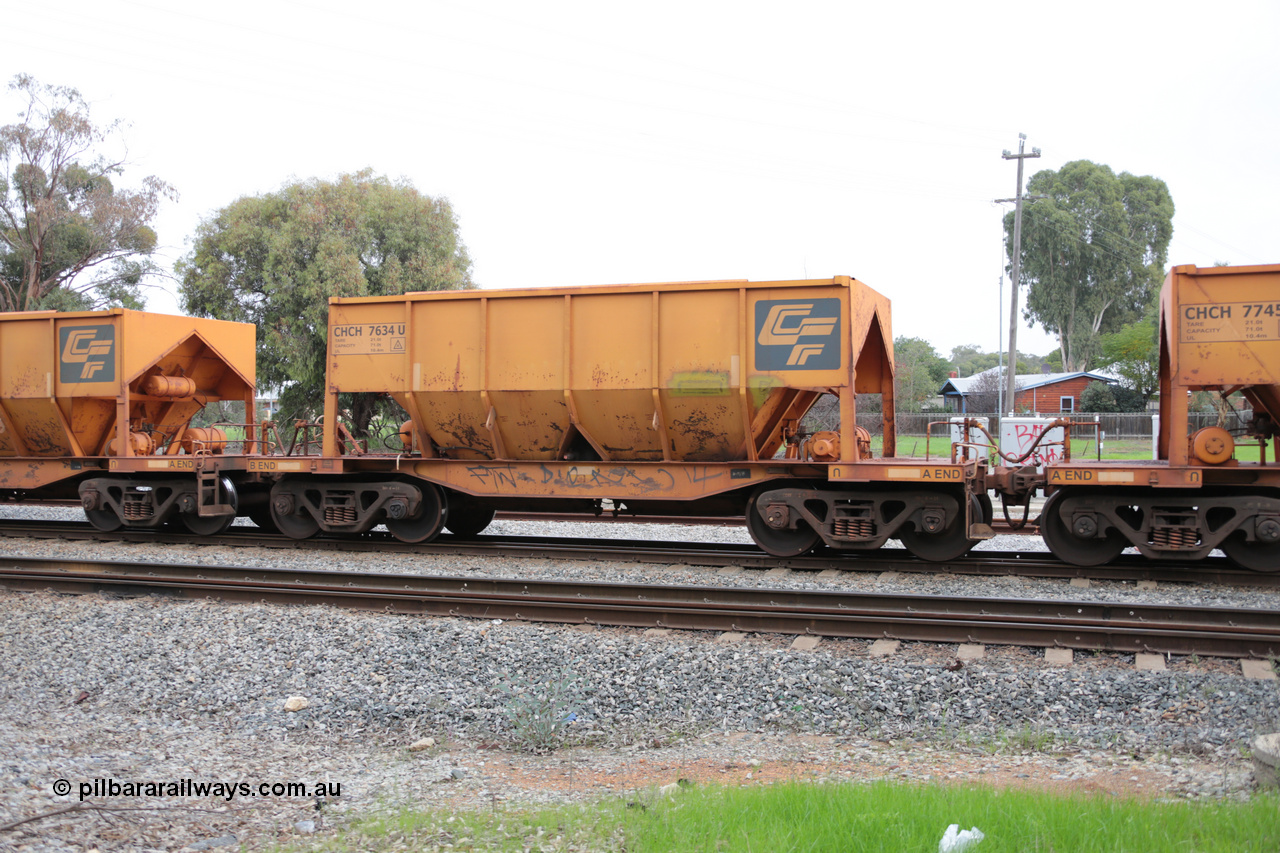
x=956, y=840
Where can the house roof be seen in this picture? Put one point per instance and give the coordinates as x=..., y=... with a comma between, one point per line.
x=1023, y=381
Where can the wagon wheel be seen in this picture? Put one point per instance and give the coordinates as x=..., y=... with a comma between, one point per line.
x=1068, y=547
x=429, y=521
x=212, y=525
x=1254, y=556
x=780, y=542
x=290, y=517
x=988, y=508
x=105, y=520
x=256, y=504
x=951, y=543
x=466, y=516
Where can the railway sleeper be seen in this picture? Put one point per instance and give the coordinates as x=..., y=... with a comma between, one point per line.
x=935, y=526
x=1090, y=529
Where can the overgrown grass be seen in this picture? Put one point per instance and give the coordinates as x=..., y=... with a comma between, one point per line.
x=877, y=817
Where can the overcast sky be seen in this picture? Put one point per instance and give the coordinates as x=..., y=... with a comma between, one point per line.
x=596, y=143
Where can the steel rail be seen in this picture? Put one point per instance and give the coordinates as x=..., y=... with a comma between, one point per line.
x=998, y=525
x=623, y=518
x=1129, y=567
x=1223, y=632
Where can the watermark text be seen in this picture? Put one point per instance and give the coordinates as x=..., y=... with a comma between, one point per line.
x=225, y=790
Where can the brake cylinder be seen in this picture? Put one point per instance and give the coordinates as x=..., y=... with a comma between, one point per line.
x=169, y=386
x=140, y=444
x=204, y=440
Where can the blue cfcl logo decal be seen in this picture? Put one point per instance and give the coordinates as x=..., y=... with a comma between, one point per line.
x=87, y=353
x=798, y=334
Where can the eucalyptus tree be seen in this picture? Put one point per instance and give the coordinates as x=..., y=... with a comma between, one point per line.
x=69, y=237
x=919, y=372
x=275, y=259
x=1093, y=252
x=1133, y=354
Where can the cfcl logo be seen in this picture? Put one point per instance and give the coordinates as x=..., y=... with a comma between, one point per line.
x=798, y=334
x=87, y=353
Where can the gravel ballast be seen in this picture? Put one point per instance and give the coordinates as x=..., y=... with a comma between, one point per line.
x=96, y=688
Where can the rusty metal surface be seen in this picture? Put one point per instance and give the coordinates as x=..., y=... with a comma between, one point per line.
x=1227, y=632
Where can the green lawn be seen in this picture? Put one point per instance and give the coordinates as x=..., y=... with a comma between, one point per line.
x=840, y=818
x=1081, y=449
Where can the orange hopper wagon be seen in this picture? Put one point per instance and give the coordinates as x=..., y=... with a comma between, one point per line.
x=94, y=405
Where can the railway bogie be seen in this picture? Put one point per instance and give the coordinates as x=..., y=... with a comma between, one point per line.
x=788, y=519
x=1090, y=528
x=205, y=506
x=304, y=506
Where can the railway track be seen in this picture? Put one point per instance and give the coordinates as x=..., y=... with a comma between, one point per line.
x=1215, y=631
x=1018, y=563
x=999, y=525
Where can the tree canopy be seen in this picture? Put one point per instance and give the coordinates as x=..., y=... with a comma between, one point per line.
x=1097, y=397
x=1101, y=397
x=919, y=371
x=970, y=360
x=1133, y=354
x=1093, y=252
x=275, y=260
x=69, y=238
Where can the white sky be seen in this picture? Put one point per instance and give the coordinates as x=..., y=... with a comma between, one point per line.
x=595, y=143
